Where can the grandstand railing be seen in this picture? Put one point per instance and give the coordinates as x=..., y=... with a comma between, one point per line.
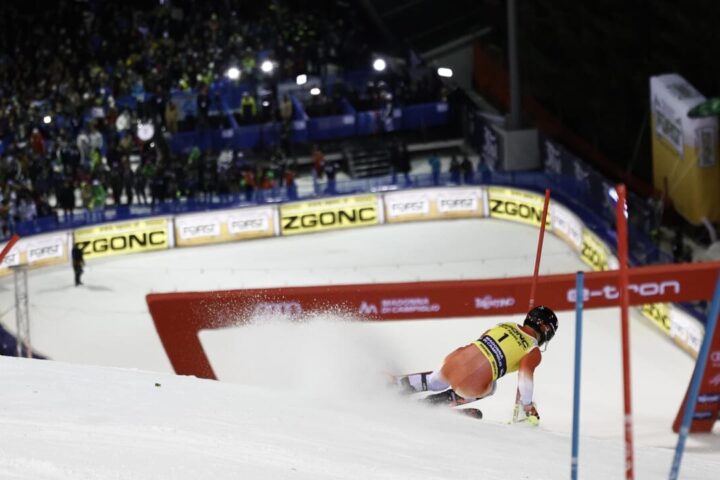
x=306, y=130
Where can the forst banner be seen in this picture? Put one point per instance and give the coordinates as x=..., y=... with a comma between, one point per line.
x=225, y=226
x=433, y=204
x=37, y=251
x=684, y=149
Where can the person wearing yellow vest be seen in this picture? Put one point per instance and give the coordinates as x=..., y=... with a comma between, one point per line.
x=470, y=372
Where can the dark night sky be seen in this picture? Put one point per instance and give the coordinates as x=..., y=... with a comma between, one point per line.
x=589, y=62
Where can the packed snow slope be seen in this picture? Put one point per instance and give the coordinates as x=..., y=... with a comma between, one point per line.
x=308, y=400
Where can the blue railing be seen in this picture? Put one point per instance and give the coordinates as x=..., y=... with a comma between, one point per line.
x=351, y=124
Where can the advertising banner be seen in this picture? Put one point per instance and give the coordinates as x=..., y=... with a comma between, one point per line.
x=566, y=225
x=124, y=237
x=684, y=149
x=38, y=251
x=517, y=205
x=708, y=400
x=594, y=252
x=433, y=204
x=179, y=316
x=224, y=226
x=329, y=214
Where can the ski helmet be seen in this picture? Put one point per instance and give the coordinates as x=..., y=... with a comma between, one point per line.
x=543, y=321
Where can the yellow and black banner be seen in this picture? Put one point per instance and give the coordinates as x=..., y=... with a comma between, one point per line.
x=684, y=149
x=329, y=214
x=122, y=238
x=517, y=205
x=594, y=252
x=659, y=313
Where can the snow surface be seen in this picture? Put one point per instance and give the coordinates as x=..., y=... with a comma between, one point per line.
x=306, y=401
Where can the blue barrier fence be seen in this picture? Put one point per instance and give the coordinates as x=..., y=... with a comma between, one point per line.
x=351, y=124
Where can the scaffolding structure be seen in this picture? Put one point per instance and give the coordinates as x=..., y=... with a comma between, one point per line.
x=22, y=311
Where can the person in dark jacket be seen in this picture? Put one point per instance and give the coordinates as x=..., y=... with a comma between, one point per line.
x=78, y=262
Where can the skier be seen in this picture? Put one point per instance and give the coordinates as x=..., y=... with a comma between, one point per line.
x=470, y=373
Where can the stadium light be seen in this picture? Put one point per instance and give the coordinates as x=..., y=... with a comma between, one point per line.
x=47, y=119
x=266, y=66
x=145, y=131
x=301, y=79
x=233, y=73
x=612, y=193
x=315, y=91
x=445, y=72
x=379, y=64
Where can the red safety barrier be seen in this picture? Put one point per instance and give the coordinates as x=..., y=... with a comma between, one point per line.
x=179, y=317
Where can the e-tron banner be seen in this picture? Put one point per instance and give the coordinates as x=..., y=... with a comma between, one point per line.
x=329, y=214
x=179, y=316
x=224, y=226
x=125, y=237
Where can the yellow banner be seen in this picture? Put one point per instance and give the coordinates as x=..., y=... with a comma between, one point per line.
x=659, y=313
x=122, y=238
x=594, y=252
x=517, y=205
x=684, y=149
x=329, y=214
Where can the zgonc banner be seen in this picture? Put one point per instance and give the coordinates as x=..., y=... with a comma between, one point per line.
x=225, y=226
x=124, y=237
x=517, y=205
x=179, y=317
x=38, y=251
x=330, y=214
x=432, y=204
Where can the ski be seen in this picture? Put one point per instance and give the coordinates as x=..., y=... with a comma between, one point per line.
x=475, y=413
x=446, y=398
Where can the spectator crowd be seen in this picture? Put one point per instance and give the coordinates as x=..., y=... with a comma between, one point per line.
x=76, y=78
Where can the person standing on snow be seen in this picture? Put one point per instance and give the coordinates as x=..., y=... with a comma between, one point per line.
x=471, y=372
x=78, y=262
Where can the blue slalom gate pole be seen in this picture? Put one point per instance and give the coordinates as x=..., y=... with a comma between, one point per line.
x=696, y=379
x=579, y=294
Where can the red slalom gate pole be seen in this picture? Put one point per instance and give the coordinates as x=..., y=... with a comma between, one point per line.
x=622, y=248
x=538, y=254
x=533, y=285
x=11, y=243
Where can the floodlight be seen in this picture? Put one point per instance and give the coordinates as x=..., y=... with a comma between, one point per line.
x=379, y=64
x=145, y=131
x=266, y=66
x=233, y=73
x=445, y=72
